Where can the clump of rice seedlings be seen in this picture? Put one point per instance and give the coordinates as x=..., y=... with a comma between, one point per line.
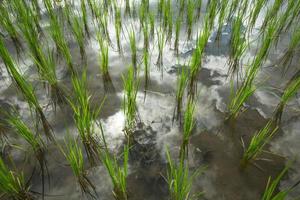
x=74, y=156
x=57, y=35
x=35, y=142
x=26, y=89
x=132, y=41
x=290, y=91
x=258, y=5
x=104, y=24
x=190, y=17
x=182, y=80
x=257, y=143
x=127, y=7
x=129, y=101
x=247, y=88
x=177, y=34
x=77, y=29
x=167, y=14
x=118, y=27
x=180, y=180
x=238, y=45
x=270, y=191
x=84, y=116
x=117, y=173
x=13, y=185
x=84, y=17
x=161, y=40
x=272, y=12
x=188, y=126
x=104, y=61
x=222, y=16
x=7, y=24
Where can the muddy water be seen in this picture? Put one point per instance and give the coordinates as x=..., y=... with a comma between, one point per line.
x=214, y=143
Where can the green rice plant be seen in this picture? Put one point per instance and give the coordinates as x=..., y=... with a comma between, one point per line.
x=26, y=89
x=257, y=143
x=6, y=22
x=146, y=68
x=127, y=7
x=188, y=126
x=104, y=24
x=234, y=4
x=181, y=7
x=180, y=180
x=222, y=17
x=160, y=8
x=118, y=27
x=210, y=15
x=238, y=45
x=84, y=17
x=177, y=34
x=146, y=36
x=117, y=173
x=36, y=7
x=132, y=41
x=182, y=80
x=270, y=191
x=292, y=15
x=77, y=28
x=67, y=11
x=258, y=6
x=272, y=12
x=84, y=116
x=91, y=4
x=198, y=6
x=142, y=14
x=34, y=141
x=290, y=91
x=74, y=156
x=190, y=17
x=145, y=4
x=12, y=184
x=167, y=13
x=152, y=23
x=130, y=85
x=161, y=41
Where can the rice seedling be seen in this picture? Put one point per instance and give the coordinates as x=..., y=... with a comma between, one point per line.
x=127, y=7
x=190, y=17
x=272, y=12
x=26, y=89
x=210, y=15
x=84, y=116
x=130, y=85
x=77, y=30
x=146, y=68
x=13, y=185
x=34, y=141
x=167, y=14
x=188, y=126
x=221, y=19
x=146, y=37
x=181, y=7
x=198, y=6
x=152, y=23
x=234, y=4
x=177, y=34
x=258, y=6
x=132, y=41
x=84, y=17
x=117, y=173
x=257, y=143
x=292, y=15
x=104, y=25
x=270, y=192
x=180, y=180
x=74, y=156
x=160, y=8
x=182, y=80
x=161, y=40
x=290, y=91
x=36, y=7
x=7, y=24
x=118, y=27
x=91, y=4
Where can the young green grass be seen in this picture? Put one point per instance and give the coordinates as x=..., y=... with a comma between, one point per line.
x=257, y=143
x=182, y=80
x=132, y=41
x=77, y=28
x=74, y=156
x=180, y=180
x=26, y=89
x=84, y=116
x=130, y=85
x=12, y=184
x=222, y=17
x=177, y=34
x=190, y=17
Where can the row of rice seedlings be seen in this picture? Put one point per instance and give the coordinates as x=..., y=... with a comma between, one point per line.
x=26, y=89
x=34, y=141
x=222, y=17
x=290, y=91
x=129, y=101
x=188, y=126
x=272, y=12
x=190, y=17
x=6, y=22
x=180, y=180
x=84, y=116
x=182, y=80
x=77, y=28
x=13, y=184
x=58, y=35
x=258, y=6
x=271, y=192
x=74, y=156
x=133, y=48
x=177, y=34
x=161, y=41
x=84, y=17
x=241, y=95
x=257, y=143
x=117, y=173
